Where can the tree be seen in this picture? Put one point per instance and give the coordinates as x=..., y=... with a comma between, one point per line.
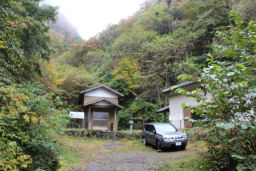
x=156, y=18
x=76, y=80
x=128, y=69
x=129, y=43
x=22, y=33
x=142, y=111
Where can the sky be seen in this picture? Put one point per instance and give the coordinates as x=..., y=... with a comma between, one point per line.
x=90, y=17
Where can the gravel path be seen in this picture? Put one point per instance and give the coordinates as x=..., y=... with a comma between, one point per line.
x=131, y=160
x=126, y=161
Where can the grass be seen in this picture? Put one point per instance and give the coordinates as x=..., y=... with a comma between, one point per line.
x=191, y=161
x=188, y=163
x=76, y=151
x=133, y=131
x=68, y=158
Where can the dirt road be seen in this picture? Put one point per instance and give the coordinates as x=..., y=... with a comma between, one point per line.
x=129, y=156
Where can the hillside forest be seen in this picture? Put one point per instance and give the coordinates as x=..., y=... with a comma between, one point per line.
x=141, y=55
x=44, y=64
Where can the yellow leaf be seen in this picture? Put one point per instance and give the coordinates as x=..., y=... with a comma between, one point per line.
x=26, y=118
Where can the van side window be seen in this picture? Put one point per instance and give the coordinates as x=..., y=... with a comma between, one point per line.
x=146, y=127
x=151, y=128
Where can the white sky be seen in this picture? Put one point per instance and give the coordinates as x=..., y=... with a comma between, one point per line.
x=93, y=16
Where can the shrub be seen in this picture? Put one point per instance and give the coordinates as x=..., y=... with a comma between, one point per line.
x=229, y=115
x=43, y=154
x=27, y=114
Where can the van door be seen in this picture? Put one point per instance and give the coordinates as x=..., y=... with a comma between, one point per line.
x=151, y=135
x=146, y=133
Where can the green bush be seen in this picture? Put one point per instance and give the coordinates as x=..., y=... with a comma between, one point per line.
x=43, y=154
x=27, y=114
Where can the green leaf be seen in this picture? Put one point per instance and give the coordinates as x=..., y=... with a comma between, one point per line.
x=229, y=126
x=225, y=126
x=244, y=126
x=230, y=74
x=237, y=156
x=244, y=83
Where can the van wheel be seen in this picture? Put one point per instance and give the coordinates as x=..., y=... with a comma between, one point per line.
x=183, y=147
x=144, y=141
x=158, y=146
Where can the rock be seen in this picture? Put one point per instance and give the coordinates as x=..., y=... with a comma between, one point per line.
x=120, y=135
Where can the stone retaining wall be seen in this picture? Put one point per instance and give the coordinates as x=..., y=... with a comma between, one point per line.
x=109, y=135
x=103, y=134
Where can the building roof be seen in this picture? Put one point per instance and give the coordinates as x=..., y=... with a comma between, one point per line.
x=178, y=86
x=103, y=99
x=101, y=86
x=164, y=109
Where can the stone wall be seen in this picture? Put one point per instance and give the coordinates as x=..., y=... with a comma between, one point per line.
x=120, y=134
x=103, y=134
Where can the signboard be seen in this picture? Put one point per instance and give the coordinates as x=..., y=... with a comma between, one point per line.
x=76, y=115
x=175, y=117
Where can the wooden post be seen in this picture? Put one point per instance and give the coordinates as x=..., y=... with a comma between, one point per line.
x=83, y=124
x=89, y=118
x=115, y=121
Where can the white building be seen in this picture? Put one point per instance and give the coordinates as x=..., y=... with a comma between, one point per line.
x=175, y=110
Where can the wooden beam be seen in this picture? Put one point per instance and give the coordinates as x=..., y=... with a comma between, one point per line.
x=101, y=107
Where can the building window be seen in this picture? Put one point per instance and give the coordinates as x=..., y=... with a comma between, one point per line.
x=100, y=120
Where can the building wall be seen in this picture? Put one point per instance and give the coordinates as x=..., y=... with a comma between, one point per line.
x=88, y=99
x=176, y=115
x=101, y=92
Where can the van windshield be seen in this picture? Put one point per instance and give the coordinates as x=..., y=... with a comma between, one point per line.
x=165, y=128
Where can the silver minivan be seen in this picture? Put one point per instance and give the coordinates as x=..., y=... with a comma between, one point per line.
x=163, y=135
